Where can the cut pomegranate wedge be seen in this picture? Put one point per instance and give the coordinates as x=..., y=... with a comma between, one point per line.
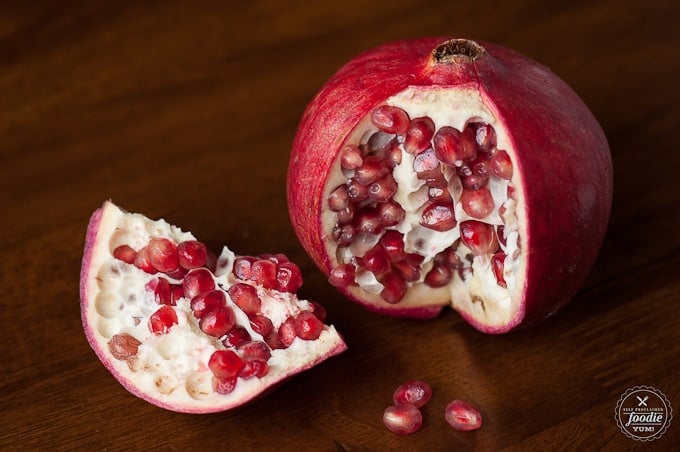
x=184, y=330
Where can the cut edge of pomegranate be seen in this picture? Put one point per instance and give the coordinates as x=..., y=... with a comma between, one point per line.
x=100, y=232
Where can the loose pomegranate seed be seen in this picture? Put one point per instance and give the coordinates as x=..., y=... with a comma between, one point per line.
x=261, y=325
x=342, y=275
x=162, y=320
x=344, y=234
x=415, y=392
x=368, y=221
x=206, y=302
x=225, y=363
x=438, y=276
x=418, y=135
x=452, y=148
x=236, y=336
x=307, y=326
x=162, y=293
x=287, y=333
x=497, y=265
x=426, y=165
x=198, y=281
x=390, y=213
x=407, y=270
x=375, y=260
x=245, y=297
x=142, y=261
x=224, y=385
x=218, y=322
x=394, y=287
x=477, y=203
x=242, y=267
x=346, y=216
x=383, y=188
x=393, y=244
x=254, y=350
x=478, y=237
x=254, y=368
x=402, y=419
x=125, y=253
x=356, y=191
x=123, y=346
x=390, y=119
x=192, y=254
x=351, y=157
x=474, y=181
x=463, y=416
x=318, y=310
x=288, y=277
x=501, y=165
x=162, y=254
x=373, y=168
x=263, y=272
x=338, y=199
x=438, y=216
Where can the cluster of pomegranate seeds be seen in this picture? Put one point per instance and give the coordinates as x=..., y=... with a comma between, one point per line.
x=365, y=206
x=192, y=264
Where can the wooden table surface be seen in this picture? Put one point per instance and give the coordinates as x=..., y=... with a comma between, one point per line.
x=187, y=112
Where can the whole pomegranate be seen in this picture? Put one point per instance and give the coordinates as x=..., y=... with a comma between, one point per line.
x=188, y=331
x=447, y=171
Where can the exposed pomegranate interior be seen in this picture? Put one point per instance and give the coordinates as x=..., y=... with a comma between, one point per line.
x=422, y=197
x=188, y=332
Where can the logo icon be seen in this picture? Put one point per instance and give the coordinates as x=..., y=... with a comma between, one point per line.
x=643, y=413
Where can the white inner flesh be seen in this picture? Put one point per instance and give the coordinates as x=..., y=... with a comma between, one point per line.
x=172, y=367
x=478, y=294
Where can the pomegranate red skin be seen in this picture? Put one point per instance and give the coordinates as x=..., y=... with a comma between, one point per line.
x=561, y=155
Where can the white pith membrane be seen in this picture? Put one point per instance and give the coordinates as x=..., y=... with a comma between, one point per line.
x=475, y=293
x=171, y=369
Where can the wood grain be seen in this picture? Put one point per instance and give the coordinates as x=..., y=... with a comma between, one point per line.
x=187, y=111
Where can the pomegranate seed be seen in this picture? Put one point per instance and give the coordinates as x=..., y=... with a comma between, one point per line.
x=390, y=119
x=254, y=350
x=318, y=310
x=272, y=340
x=224, y=385
x=218, y=322
x=500, y=233
x=123, y=346
x=198, y=281
x=263, y=272
x=402, y=419
x=342, y=275
x=477, y=236
x=415, y=392
x=162, y=320
x=390, y=213
x=343, y=234
x=142, y=261
x=125, y=253
x=346, y=216
x=206, y=302
x=288, y=277
x=426, y=165
x=394, y=287
x=211, y=261
x=287, y=333
x=375, y=260
x=176, y=292
x=225, y=364
x=373, y=168
x=382, y=189
x=245, y=297
x=474, y=181
x=439, y=195
x=161, y=293
x=307, y=326
x=497, y=265
x=477, y=203
x=254, y=368
x=393, y=244
x=438, y=216
x=463, y=416
x=242, y=267
x=501, y=165
x=356, y=191
x=511, y=192
x=236, y=336
x=393, y=154
x=338, y=199
x=406, y=270
x=261, y=325
x=484, y=136
x=281, y=258
x=452, y=148
x=162, y=254
x=438, y=276
x=178, y=273
x=368, y=221
x=464, y=170
x=192, y=254
x=351, y=157
x=418, y=135
x=481, y=166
